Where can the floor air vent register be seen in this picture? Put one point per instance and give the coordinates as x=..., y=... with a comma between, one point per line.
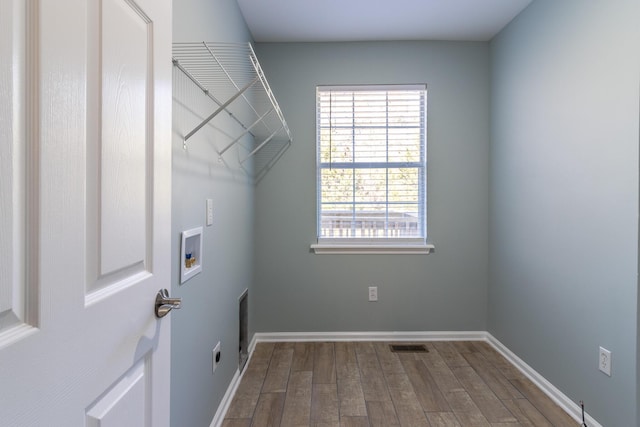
x=408, y=348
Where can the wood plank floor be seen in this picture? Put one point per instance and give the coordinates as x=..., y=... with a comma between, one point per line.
x=346, y=384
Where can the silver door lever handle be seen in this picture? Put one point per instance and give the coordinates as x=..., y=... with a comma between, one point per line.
x=164, y=304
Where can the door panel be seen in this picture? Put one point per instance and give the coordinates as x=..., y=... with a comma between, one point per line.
x=124, y=403
x=85, y=183
x=18, y=290
x=121, y=96
x=12, y=282
x=123, y=139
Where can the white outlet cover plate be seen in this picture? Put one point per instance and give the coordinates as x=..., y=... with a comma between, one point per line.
x=604, y=361
x=373, y=293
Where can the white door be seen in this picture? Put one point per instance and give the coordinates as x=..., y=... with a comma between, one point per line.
x=85, y=190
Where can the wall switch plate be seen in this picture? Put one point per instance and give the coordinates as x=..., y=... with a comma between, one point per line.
x=209, y=211
x=373, y=293
x=604, y=361
x=216, y=356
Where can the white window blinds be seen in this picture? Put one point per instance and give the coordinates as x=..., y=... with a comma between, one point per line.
x=371, y=163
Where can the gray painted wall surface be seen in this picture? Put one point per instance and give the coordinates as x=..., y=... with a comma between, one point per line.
x=564, y=197
x=296, y=290
x=563, y=201
x=210, y=299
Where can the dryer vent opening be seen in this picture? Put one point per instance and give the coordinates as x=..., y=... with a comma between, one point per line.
x=244, y=330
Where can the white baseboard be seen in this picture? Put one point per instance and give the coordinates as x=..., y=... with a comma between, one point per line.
x=370, y=336
x=218, y=418
x=549, y=389
x=560, y=399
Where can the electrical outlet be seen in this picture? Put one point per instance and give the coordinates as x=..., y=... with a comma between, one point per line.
x=216, y=356
x=373, y=293
x=604, y=361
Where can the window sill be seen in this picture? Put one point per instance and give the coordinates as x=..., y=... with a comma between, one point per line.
x=348, y=248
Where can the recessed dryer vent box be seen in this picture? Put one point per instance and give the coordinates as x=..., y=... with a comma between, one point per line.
x=191, y=254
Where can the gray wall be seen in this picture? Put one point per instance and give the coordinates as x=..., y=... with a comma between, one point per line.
x=564, y=197
x=297, y=290
x=558, y=210
x=210, y=299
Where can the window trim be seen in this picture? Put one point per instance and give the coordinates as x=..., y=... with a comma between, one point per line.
x=378, y=248
x=358, y=245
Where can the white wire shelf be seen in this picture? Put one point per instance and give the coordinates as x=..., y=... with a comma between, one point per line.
x=230, y=74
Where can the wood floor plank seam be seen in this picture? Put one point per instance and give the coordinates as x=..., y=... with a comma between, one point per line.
x=343, y=384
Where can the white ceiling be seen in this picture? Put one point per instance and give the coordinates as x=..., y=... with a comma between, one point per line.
x=361, y=20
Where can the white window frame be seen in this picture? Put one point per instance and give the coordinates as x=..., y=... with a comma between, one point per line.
x=378, y=245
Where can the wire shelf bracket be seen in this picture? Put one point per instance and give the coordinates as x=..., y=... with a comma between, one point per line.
x=231, y=72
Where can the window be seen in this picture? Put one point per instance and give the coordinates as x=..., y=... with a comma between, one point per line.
x=371, y=169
